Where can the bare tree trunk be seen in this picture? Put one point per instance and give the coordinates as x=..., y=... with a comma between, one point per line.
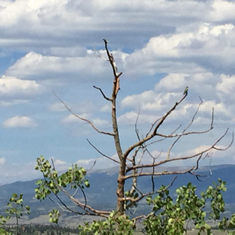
x=120, y=188
x=121, y=173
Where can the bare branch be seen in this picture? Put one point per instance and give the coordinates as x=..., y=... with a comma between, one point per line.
x=81, y=118
x=195, y=174
x=135, y=171
x=152, y=126
x=85, y=207
x=114, y=160
x=184, y=134
x=213, y=146
x=169, y=150
x=152, y=177
x=164, y=136
x=159, y=140
x=154, y=133
x=102, y=93
x=231, y=142
x=167, y=114
x=160, y=173
x=53, y=165
x=136, y=128
x=91, y=166
x=111, y=60
x=84, y=195
x=64, y=205
x=116, y=75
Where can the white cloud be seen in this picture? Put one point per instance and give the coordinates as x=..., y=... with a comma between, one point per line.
x=138, y=100
x=208, y=105
x=152, y=101
x=222, y=10
x=17, y=121
x=36, y=66
x=84, y=22
x=171, y=82
x=227, y=84
x=13, y=87
x=206, y=48
x=215, y=90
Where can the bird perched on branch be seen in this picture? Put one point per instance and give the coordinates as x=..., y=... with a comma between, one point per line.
x=186, y=91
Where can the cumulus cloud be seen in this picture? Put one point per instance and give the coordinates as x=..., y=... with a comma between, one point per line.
x=22, y=22
x=36, y=66
x=86, y=68
x=222, y=10
x=208, y=105
x=227, y=84
x=14, y=87
x=204, y=49
x=172, y=82
x=215, y=90
x=138, y=100
x=19, y=121
x=28, y=20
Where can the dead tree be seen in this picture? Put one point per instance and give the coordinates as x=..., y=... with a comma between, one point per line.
x=130, y=161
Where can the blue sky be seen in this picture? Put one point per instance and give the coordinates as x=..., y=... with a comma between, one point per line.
x=160, y=46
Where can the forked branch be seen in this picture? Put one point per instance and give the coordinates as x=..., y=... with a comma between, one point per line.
x=213, y=146
x=153, y=133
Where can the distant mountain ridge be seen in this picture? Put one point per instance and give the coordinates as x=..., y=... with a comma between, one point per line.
x=102, y=193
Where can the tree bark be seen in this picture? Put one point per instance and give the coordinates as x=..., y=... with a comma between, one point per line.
x=121, y=173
